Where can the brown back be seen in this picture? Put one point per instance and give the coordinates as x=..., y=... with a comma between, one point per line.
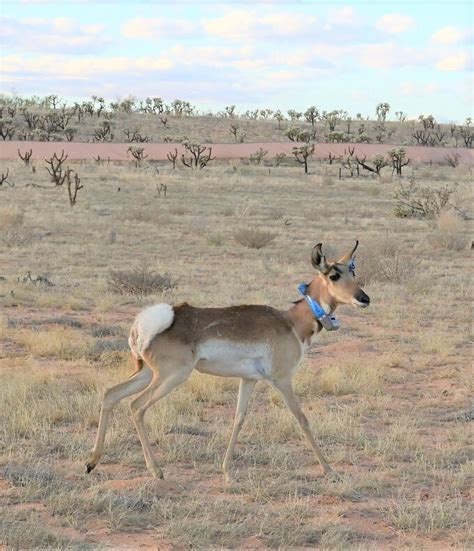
x=245, y=323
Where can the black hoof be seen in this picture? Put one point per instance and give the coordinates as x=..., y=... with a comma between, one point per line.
x=89, y=467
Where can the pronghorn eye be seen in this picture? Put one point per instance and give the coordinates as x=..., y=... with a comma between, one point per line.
x=334, y=277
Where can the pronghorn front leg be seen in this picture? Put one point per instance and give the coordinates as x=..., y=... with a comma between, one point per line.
x=286, y=389
x=245, y=391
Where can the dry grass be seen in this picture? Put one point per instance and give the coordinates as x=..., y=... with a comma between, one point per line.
x=432, y=515
x=387, y=395
x=352, y=376
x=62, y=343
x=13, y=232
x=386, y=260
x=450, y=232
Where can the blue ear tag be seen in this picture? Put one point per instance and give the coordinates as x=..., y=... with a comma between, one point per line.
x=352, y=266
x=328, y=322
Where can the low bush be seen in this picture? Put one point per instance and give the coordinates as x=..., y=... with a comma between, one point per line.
x=414, y=201
x=139, y=281
x=253, y=238
x=448, y=234
x=13, y=232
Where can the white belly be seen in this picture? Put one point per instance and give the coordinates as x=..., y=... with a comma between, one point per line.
x=230, y=359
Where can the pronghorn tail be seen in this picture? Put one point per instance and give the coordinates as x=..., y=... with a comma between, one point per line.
x=149, y=323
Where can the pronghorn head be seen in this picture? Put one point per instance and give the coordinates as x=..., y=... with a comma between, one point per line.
x=336, y=280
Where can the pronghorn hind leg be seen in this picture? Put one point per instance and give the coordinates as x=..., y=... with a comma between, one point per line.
x=138, y=382
x=159, y=388
x=245, y=391
x=286, y=389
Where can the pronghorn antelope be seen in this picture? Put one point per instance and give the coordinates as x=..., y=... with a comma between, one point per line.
x=250, y=342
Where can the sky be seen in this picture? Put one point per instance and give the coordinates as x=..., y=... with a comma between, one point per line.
x=414, y=54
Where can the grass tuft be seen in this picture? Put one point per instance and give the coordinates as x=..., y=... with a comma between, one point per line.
x=253, y=238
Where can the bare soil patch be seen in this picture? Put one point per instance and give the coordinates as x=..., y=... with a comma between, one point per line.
x=158, y=151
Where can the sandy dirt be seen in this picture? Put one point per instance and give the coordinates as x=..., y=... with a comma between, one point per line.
x=158, y=151
x=388, y=395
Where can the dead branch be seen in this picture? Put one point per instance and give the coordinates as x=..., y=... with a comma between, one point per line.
x=4, y=178
x=104, y=133
x=26, y=157
x=135, y=136
x=138, y=153
x=378, y=161
x=258, y=155
x=161, y=188
x=172, y=156
x=199, y=158
x=58, y=176
x=73, y=186
x=7, y=129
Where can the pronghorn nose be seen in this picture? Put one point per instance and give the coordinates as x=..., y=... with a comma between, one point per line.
x=363, y=298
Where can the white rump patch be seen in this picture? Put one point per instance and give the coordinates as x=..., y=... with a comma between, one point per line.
x=149, y=322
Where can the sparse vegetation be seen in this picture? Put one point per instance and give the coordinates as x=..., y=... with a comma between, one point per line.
x=200, y=155
x=259, y=155
x=141, y=280
x=388, y=396
x=302, y=154
x=254, y=238
x=449, y=232
x=142, y=121
x=415, y=201
x=138, y=153
x=56, y=169
x=13, y=230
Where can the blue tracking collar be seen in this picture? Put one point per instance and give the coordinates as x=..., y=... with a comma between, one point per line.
x=328, y=322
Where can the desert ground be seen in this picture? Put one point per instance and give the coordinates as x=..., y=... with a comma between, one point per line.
x=77, y=151
x=387, y=395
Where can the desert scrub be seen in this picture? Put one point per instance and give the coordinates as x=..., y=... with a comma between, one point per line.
x=448, y=234
x=216, y=239
x=384, y=260
x=414, y=201
x=13, y=232
x=140, y=281
x=253, y=238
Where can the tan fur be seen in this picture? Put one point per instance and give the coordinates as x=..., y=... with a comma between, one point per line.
x=248, y=341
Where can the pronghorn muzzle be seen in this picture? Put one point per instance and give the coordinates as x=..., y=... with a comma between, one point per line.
x=361, y=299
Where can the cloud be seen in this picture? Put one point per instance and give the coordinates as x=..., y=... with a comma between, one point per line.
x=343, y=16
x=51, y=35
x=451, y=35
x=393, y=56
x=357, y=57
x=413, y=89
x=395, y=23
x=247, y=25
x=63, y=67
x=157, y=27
x=457, y=61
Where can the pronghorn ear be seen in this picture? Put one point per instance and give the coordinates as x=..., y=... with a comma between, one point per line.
x=318, y=260
x=349, y=256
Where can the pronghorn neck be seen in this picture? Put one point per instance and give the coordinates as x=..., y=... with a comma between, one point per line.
x=319, y=291
x=300, y=313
